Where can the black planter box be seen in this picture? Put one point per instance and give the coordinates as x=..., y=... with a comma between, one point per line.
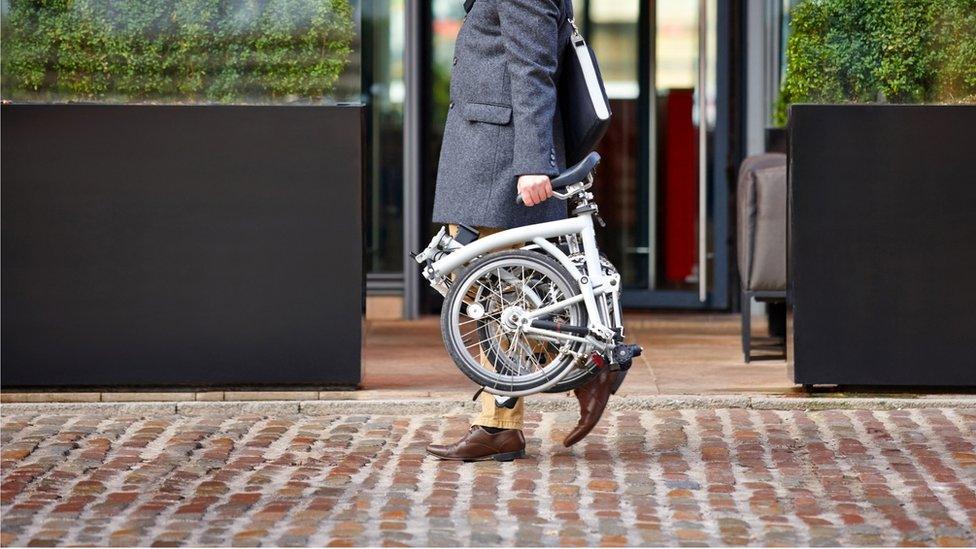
x=882, y=245
x=776, y=140
x=181, y=245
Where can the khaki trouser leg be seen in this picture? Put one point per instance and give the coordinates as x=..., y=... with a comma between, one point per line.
x=491, y=414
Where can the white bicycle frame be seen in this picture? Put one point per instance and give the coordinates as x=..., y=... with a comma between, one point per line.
x=592, y=283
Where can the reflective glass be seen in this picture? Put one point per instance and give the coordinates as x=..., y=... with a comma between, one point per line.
x=613, y=34
x=611, y=27
x=674, y=232
x=383, y=39
x=652, y=221
x=447, y=16
x=446, y=19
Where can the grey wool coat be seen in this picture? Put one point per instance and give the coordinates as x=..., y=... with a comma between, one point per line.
x=503, y=119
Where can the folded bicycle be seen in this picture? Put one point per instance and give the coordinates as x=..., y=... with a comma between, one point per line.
x=532, y=309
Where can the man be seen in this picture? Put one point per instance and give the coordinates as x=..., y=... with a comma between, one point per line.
x=504, y=136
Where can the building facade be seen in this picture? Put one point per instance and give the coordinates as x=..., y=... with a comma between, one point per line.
x=672, y=67
x=692, y=85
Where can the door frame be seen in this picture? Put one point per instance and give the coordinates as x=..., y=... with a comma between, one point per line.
x=724, y=151
x=721, y=158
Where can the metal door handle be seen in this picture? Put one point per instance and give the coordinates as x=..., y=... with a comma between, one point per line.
x=702, y=150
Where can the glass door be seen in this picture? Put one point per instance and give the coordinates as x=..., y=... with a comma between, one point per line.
x=658, y=186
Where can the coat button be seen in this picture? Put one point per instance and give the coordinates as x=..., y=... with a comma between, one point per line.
x=455, y=61
x=451, y=105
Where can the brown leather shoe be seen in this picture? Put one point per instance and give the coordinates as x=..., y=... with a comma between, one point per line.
x=593, y=397
x=480, y=445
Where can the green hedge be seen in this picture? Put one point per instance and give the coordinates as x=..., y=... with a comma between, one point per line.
x=896, y=51
x=175, y=50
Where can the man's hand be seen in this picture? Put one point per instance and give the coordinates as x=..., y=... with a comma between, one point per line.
x=534, y=189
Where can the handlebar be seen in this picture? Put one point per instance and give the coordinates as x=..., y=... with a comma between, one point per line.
x=571, y=176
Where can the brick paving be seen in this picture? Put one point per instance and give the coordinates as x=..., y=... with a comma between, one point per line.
x=662, y=477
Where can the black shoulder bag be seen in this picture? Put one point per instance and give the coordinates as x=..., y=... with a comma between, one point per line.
x=582, y=98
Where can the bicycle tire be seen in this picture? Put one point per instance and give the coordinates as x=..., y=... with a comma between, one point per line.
x=453, y=341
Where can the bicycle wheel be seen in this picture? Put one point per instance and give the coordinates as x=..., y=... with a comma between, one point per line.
x=490, y=349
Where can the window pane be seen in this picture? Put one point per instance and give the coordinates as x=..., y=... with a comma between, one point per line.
x=447, y=16
x=611, y=27
x=613, y=36
x=677, y=44
x=181, y=51
x=384, y=190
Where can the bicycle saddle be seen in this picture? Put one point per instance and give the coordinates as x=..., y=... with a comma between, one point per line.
x=578, y=172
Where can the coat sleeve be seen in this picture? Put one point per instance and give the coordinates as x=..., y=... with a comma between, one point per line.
x=530, y=30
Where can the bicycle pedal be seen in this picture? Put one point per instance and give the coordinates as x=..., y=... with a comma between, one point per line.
x=505, y=402
x=623, y=355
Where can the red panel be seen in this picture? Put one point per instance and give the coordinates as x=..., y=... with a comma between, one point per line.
x=680, y=188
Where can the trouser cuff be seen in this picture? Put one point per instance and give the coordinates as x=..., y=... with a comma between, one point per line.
x=499, y=423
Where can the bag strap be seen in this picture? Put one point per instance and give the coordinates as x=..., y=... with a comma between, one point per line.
x=577, y=37
x=468, y=4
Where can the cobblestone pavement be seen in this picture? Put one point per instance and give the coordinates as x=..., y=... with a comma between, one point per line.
x=691, y=477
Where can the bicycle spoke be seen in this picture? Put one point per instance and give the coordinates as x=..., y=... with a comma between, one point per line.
x=483, y=317
x=482, y=343
x=512, y=356
x=490, y=290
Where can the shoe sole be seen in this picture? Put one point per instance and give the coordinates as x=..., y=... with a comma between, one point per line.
x=504, y=457
x=618, y=382
x=509, y=456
